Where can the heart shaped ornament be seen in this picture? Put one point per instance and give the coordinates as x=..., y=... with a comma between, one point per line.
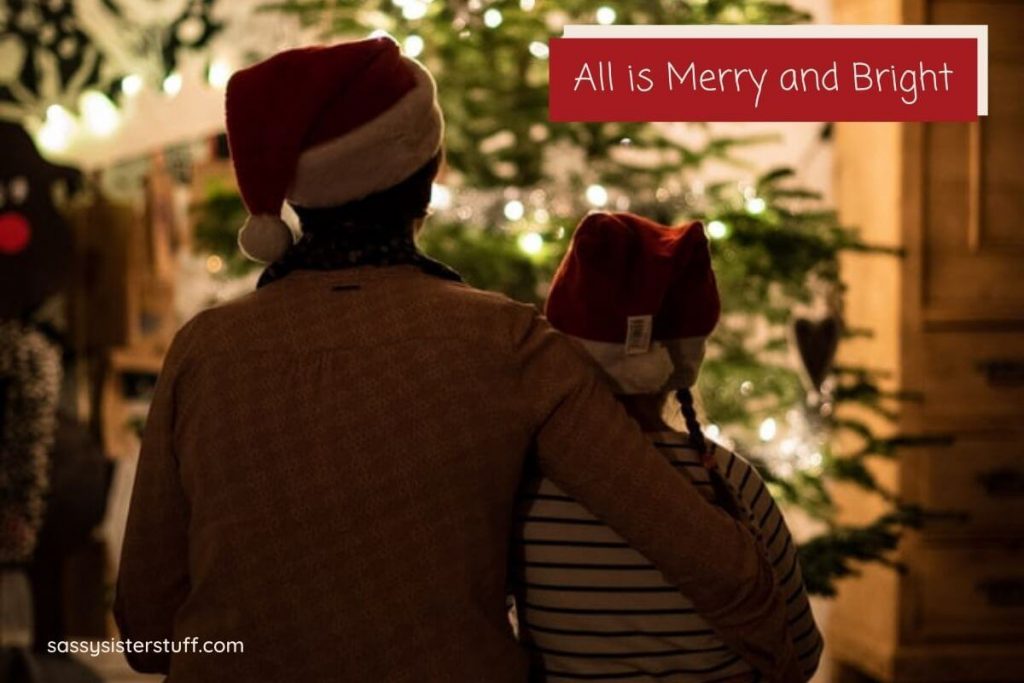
x=816, y=343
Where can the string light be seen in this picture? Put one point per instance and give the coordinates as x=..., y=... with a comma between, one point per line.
x=172, y=84
x=99, y=114
x=493, y=18
x=597, y=195
x=440, y=197
x=796, y=445
x=539, y=50
x=514, y=210
x=55, y=133
x=531, y=243
x=605, y=15
x=219, y=74
x=131, y=85
x=414, y=9
x=756, y=205
x=413, y=45
x=717, y=230
x=527, y=5
x=214, y=264
x=768, y=429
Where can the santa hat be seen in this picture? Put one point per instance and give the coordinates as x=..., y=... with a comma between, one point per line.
x=322, y=126
x=640, y=297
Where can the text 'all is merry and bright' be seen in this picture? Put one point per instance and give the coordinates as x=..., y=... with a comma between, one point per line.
x=907, y=84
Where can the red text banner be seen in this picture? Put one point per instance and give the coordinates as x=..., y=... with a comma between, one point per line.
x=764, y=79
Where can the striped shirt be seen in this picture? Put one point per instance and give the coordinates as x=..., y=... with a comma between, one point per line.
x=590, y=607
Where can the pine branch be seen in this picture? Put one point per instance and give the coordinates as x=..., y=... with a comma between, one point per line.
x=836, y=554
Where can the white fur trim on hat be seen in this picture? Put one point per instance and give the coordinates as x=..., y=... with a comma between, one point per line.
x=265, y=238
x=375, y=156
x=668, y=364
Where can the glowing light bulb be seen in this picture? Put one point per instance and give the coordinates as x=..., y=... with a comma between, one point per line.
x=605, y=15
x=413, y=46
x=172, y=84
x=219, y=74
x=768, y=429
x=99, y=114
x=414, y=9
x=527, y=5
x=531, y=243
x=55, y=133
x=514, y=210
x=539, y=50
x=493, y=18
x=597, y=195
x=440, y=196
x=214, y=264
x=717, y=230
x=131, y=85
x=756, y=205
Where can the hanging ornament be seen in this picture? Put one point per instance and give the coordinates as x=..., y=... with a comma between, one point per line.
x=816, y=344
x=30, y=375
x=35, y=240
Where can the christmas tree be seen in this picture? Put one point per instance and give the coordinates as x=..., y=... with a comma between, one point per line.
x=516, y=184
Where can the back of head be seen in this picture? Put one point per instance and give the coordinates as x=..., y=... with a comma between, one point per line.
x=324, y=127
x=641, y=298
x=397, y=208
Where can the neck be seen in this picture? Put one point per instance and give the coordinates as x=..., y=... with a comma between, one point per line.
x=646, y=410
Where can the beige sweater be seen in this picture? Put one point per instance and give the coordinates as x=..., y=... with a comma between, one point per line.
x=329, y=473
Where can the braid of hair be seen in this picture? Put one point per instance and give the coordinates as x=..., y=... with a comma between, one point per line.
x=697, y=440
x=723, y=495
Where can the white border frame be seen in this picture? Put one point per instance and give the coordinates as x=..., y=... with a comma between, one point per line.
x=978, y=32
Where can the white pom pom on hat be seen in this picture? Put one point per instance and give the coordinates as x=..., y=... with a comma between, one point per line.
x=322, y=126
x=264, y=238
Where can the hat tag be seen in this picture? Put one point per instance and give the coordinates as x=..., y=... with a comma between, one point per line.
x=638, y=334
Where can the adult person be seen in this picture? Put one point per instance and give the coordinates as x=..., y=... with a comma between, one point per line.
x=330, y=464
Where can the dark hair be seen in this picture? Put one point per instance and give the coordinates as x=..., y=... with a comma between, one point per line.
x=692, y=424
x=400, y=204
x=723, y=495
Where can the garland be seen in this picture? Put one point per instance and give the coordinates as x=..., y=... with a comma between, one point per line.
x=30, y=377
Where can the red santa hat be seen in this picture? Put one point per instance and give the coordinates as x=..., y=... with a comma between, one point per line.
x=641, y=298
x=322, y=126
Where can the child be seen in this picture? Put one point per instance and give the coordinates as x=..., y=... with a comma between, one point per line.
x=641, y=298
